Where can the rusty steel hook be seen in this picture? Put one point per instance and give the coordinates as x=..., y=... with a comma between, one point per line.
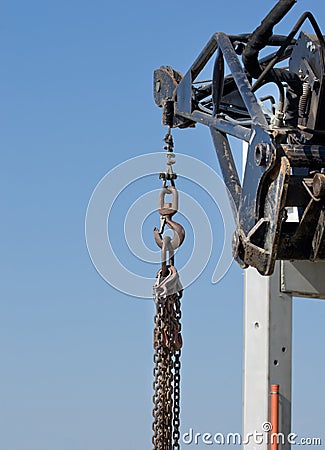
x=174, y=242
x=169, y=244
x=167, y=210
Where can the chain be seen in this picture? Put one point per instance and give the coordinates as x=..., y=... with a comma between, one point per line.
x=158, y=372
x=166, y=385
x=177, y=379
x=167, y=330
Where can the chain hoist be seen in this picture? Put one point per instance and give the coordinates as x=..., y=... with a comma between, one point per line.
x=167, y=333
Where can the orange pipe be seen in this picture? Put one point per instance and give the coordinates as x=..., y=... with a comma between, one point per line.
x=274, y=416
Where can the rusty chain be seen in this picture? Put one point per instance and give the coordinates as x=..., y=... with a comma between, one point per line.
x=167, y=331
x=177, y=378
x=166, y=385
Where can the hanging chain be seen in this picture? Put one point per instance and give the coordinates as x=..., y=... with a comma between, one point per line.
x=177, y=379
x=167, y=332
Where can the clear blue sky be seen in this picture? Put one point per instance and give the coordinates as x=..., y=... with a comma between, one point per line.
x=76, y=100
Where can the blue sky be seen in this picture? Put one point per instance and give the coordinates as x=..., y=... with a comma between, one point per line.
x=76, y=100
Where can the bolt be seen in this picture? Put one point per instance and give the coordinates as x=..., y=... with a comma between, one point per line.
x=319, y=185
x=311, y=46
x=260, y=154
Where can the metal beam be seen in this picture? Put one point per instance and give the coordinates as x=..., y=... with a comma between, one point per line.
x=267, y=354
